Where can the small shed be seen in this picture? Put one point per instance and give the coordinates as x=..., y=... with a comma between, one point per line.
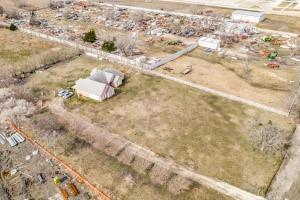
x=94, y=89
x=210, y=43
x=248, y=16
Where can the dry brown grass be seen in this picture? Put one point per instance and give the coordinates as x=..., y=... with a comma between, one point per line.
x=281, y=23
x=201, y=131
x=117, y=179
x=22, y=53
x=265, y=85
x=25, y=3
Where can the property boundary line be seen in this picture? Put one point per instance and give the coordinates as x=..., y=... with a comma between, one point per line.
x=109, y=140
x=99, y=192
x=147, y=69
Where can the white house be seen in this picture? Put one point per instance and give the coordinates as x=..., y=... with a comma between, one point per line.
x=99, y=85
x=248, y=16
x=118, y=77
x=94, y=89
x=108, y=76
x=210, y=43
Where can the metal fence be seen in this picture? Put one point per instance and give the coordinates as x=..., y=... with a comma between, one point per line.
x=174, y=56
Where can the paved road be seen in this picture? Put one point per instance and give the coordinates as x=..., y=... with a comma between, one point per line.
x=268, y=6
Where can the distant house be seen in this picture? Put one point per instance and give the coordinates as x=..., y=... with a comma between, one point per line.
x=210, y=43
x=108, y=76
x=100, y=84
x=93, y=89
x=248, y=16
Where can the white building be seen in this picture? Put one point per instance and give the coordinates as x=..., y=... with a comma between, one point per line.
x=210, y=43
x=108, y=76
x=248, y=16
x=93, y=89
x=99, y=85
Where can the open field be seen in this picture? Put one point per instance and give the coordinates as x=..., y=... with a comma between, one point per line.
x=210, y=134
x=45, y=84
x=188, y=127
x=262, y=84
x=62, y=76
x=28, y=3
x=23, y=54
x=281, y=23
x=17, y=48
x=175, y=121
x=116, y=179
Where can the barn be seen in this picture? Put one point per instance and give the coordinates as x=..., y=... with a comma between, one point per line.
x=248, y=16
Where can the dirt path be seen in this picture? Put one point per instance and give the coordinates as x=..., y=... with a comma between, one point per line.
x=117, y=146
x=289, y=171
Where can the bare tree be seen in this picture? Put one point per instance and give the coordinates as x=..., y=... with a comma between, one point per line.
x=294, y=101
x=137, y=16
x=176, y=26
x=127, y=44
x=1, y=10
x=108, y=13
x=33, y=20
x=246, y=69
x=269, y=138
x=294, y=44
x=12, y=13
x=13, y=108
x=49, y=123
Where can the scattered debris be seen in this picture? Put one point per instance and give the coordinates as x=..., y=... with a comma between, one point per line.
x=187, y=70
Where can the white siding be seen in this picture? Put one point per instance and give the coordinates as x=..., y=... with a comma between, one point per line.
x=209, y=43
x=248, y=16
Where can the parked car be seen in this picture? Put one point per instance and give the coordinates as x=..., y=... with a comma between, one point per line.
x=66, y=94
x=62, y=93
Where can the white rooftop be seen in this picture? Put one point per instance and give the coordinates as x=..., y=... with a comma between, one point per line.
x=208, y=39
x=90, y=86
x=248, y=13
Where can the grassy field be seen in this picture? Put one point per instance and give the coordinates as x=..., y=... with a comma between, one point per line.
x=263, y=85
x=118, y=180
x=202, y=131
x=18, y=47
x=104, y=171
x=22, y=53
x=281, y=23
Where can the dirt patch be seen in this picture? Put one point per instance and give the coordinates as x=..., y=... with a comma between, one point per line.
x=178, y=184
x=266, y=86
